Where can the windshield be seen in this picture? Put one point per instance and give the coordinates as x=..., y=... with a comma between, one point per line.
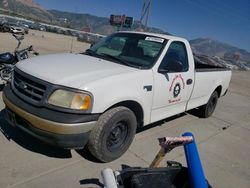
x=130, y=49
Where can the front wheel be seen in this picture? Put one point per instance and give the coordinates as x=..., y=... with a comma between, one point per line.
x=112, y=134
x=208, y=109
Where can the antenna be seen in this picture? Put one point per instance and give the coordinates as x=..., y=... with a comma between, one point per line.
x=71, y=47
x=72, y=37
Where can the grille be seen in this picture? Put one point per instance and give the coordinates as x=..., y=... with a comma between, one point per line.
x=28, y=87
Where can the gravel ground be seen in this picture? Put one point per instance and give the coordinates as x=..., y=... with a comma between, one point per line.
x=223, y=139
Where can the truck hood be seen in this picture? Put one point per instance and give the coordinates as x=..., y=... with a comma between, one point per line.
x=72, y=70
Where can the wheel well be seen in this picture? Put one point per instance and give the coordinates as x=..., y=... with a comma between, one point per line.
x=134, y=107
x=218, y=89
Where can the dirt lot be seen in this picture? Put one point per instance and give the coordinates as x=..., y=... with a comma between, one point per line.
x=223, y=139
x=43, y=42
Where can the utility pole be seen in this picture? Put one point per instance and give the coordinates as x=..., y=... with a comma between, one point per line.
x=145, y=13
x=6, y=6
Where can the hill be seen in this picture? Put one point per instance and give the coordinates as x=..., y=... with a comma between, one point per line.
x=27, y=8
x=212, y=47
x=209, y=50
x=96, y=24
x=217, y=52
x=32, y=10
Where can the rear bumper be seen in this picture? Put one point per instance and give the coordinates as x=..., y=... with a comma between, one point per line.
x=65, y=135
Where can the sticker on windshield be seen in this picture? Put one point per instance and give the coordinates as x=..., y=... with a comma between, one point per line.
x=154, y=39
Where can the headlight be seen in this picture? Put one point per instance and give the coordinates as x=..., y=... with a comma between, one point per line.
x=70, y=99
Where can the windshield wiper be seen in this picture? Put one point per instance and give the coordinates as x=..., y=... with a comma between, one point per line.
x=89, y=52
x=119, y=60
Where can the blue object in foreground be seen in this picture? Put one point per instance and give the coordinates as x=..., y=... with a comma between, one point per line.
x=195, y=171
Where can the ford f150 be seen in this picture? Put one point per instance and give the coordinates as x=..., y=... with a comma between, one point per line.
x=100, y=97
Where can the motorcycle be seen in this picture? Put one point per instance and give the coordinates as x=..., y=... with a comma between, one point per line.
x=9, y=60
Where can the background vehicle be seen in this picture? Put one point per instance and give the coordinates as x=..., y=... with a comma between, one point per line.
x=100, y=97
x=16, y=29
x=12, y=28
x=2, y=24
x=4, y=27
x=24, y=26
x=92, y=39
x=8, y=60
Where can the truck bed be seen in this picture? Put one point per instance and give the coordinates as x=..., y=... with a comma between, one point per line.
x=200, y=67
x=201, y=64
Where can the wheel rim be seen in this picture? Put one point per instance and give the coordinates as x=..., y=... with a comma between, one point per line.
x=211, y=105
x=117, y=136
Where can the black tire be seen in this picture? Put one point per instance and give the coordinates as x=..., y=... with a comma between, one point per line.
x=6, y=29
x=208, y=109
x=112, y=134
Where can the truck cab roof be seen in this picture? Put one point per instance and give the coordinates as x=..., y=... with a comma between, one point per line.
x=168, y=37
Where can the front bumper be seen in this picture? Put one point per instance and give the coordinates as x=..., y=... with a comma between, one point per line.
x=68, y=134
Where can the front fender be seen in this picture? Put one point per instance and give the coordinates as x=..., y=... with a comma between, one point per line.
x=129, y=87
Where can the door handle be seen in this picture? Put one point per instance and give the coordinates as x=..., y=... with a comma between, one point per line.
x=148, y=87
x=189, y=81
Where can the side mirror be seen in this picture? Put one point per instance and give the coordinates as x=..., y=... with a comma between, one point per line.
x=163, y=70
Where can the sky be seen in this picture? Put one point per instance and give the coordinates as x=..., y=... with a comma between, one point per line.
x=224, y=20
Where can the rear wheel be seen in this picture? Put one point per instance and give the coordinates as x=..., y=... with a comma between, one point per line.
x=208, y=109
x=113, y=134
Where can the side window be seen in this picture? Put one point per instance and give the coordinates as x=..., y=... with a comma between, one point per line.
x=176, y=59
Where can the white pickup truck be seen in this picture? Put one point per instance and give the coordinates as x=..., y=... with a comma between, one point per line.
x=101, y=97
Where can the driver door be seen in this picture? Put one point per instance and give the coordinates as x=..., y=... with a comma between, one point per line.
x=173, y=83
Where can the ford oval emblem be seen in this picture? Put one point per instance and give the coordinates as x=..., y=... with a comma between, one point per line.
x=22, y=86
